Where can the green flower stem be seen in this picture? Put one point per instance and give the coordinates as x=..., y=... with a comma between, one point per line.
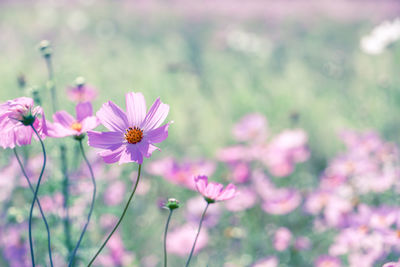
x=120, y=219
x=71, y=262
x=38, y=202
x=65, y=191
x=35, y=196
x=197, y=235
x=165, y=237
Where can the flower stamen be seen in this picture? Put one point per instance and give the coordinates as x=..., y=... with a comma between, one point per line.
x=76, y=126
x=133, y=135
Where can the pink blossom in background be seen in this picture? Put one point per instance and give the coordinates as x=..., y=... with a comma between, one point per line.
x=132, y=134
x=181, y=173
x=282, y=201
x=285, y=150
x=392, y=264
x=251, y=128
x=214, y=191
x=82, y=93
x=66, y=125
x=12, y=131
x=240, y=172
x=8, y=179
x=302, y=243
x=114, y=193
x=234, y=154
x=180, y=240
x=117, y=254
x=327, y=261
x=195, y=208
x=267, y=262
x=14, y=247
x=107, y=221
x=282, y=239
x=244, y=199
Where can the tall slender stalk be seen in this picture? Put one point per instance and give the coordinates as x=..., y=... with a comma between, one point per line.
x=120, y=219
x=71, y=262
x=35, y=196
x=165, y=237
x=197, y=235
x=40, y=207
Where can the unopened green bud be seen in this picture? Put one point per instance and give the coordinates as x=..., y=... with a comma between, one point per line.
x=172, y=204
x=80, y=81
x=45, y=48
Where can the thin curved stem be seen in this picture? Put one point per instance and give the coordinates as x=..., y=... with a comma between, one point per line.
x=165, y=237
x=35, y=196
x=71, y=262
x=197, y=235
x=38, y=202
x=120, y=219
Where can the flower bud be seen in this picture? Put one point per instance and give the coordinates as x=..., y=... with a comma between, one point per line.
x=45, y=48
x=172, y=204
x=80, y=81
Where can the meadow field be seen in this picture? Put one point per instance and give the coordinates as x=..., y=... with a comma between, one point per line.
x=296, y=103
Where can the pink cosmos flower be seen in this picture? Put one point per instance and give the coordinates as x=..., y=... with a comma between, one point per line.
x=282, y=201
x=245, y=199
x=327, y=261
x=82, y=93
x=282, y=239
x=132, y=134
x=252, y=127
x=66, y=125
x=180, y=240
x=267, y=262
x=214, y=191
x=392, y=264
x=16, y=116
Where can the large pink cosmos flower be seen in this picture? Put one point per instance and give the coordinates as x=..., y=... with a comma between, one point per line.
x=16, y=116
x=132, y=134
x=66, y=125
x=213, y=192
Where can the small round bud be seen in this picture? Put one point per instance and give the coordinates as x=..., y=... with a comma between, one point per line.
x=35, y=93
x=45, y=48
x=172, y=204
x=21, y=80
x=80, y=81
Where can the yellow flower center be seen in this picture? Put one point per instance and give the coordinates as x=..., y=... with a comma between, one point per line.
x=76, y=126
x=133, y=135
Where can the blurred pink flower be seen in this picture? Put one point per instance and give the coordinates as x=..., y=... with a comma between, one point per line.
x=194, y=209
x=181, y=173
x=282, y=201
x=82, y=93
x=302, y=243
x=16, y=116
x=282, y=239
x=285, y=150
x=66, y=125
x=244, y=199
x=180, y=240
x=267, y=262
x=327, y=261
x=114, y=193
x=233, y=154
x=214, y=191
x=252, y=127
x=117, y=255
x=132, y=134
x=392, y=264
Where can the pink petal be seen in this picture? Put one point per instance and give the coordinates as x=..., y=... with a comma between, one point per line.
x=64, y=118
x=146, y=148
x=131, y=153
x=83, y=110
x=57, y=130
x=156, y=115
x=112, y=117
x=213, y=190
x=158, y=135
x=89, y=123
x=135, y=108
x=201, y=183
x=112, y=156
x=105, y=140
x=228, y=193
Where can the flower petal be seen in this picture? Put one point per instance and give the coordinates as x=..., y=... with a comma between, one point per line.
x=201, y=182
x=135, y=108
x=213, y=190
x=228, y=193
x=83, y=110
x=105, y=140
x=158, y=135
x=89, y=123
x=64, y=118
x=146, y=148
x=112, y=156
x=156, y=115
x=131, y=154
x=112, y=117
